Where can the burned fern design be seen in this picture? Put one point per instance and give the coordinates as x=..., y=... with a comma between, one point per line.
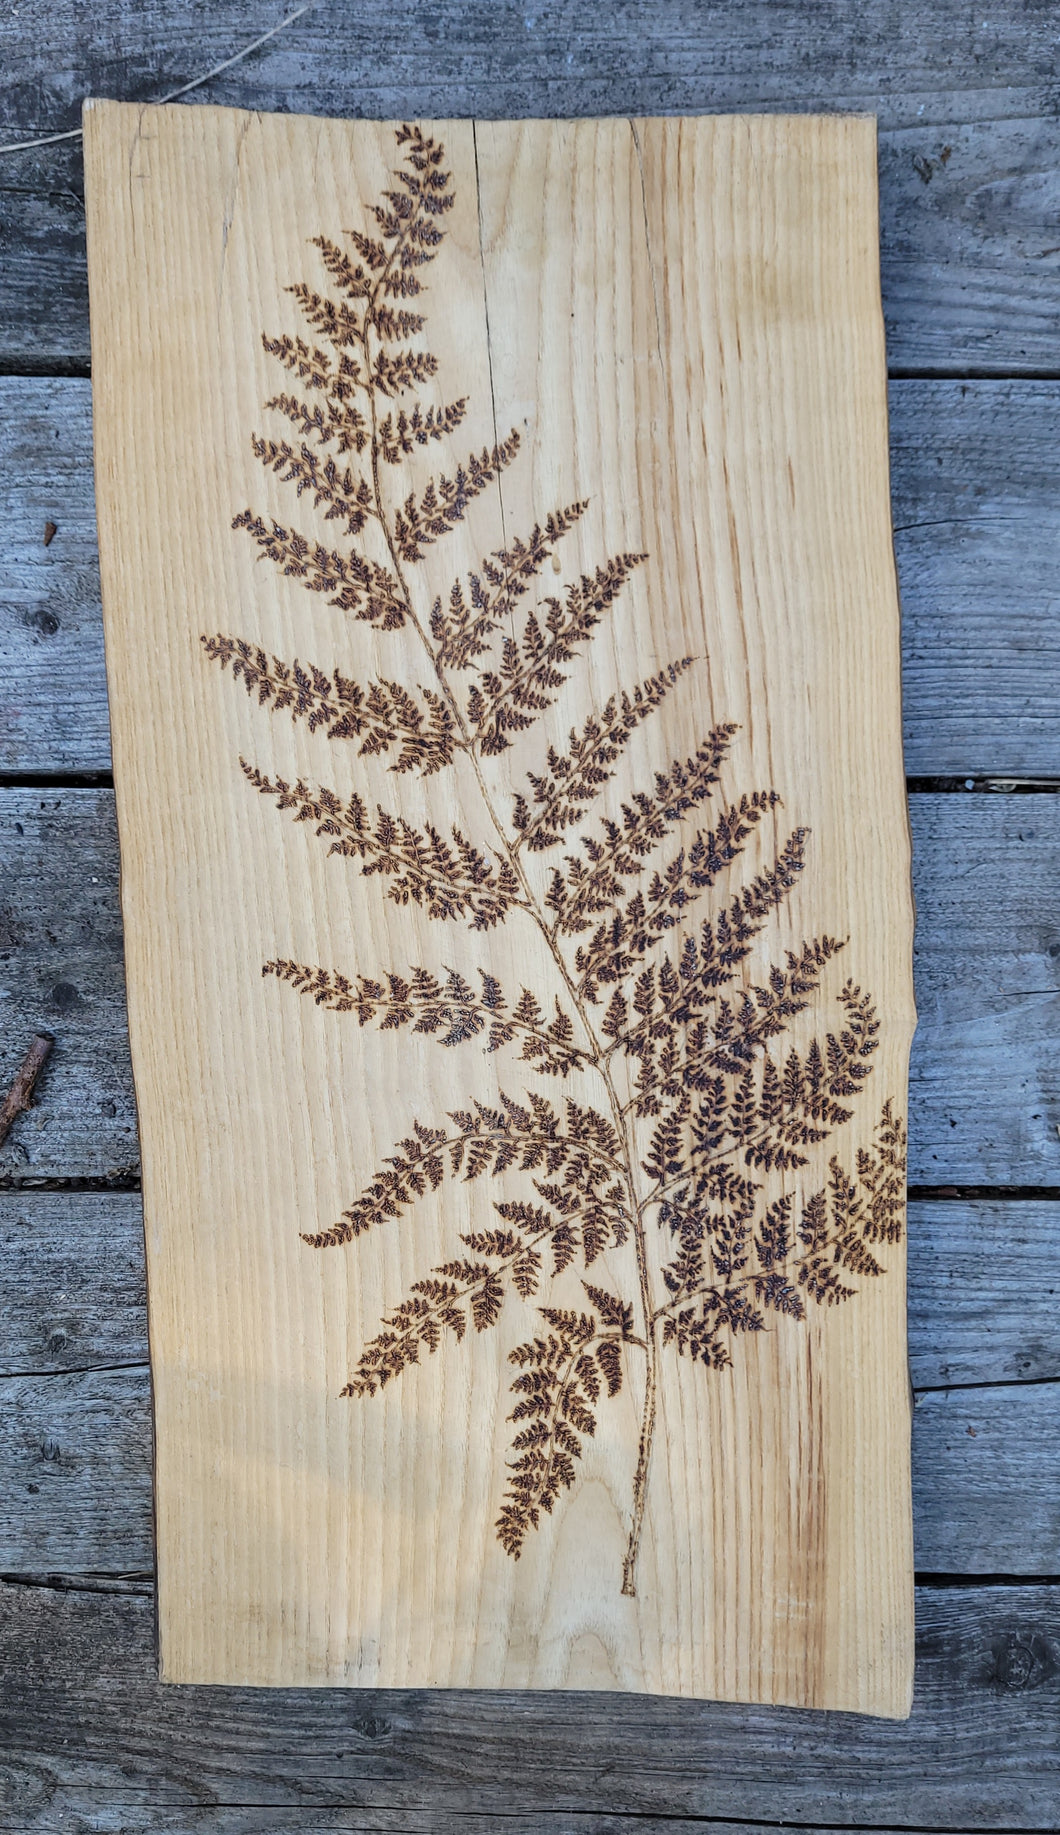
x=680, y=1144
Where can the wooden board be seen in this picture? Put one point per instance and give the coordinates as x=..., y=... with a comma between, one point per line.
x=975, y=488
x=979, y=1751
x=673, y=329
x=982, y=1287
x=75, y=1462
x=969, y=185
x=75, y=1449
x=985, y=1081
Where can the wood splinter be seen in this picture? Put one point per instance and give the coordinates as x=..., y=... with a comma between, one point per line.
x=19, y=1097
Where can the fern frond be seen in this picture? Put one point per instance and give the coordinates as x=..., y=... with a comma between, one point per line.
x=348, y=498
x=354, y=279
x=560, y=1380
x=384, y=716
x=425, y=517
x=311, y=365
x=881, y=1174
x=359, y=586
x=510, y=699
x=585, y=1218
x=399, y=434
x=575, y=777
x=582, y=1147
x=448, y=1010
x=585, y=888
x=645, y=917
x=332, y=319
x=447, y=879
x=680, y=1052
x=676, y=990
x=768, y=1115
x=406, y=369
x=454, y=1295
x=461, y=632
x=331, y=419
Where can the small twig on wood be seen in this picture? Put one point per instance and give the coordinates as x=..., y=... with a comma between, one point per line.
x=20, y=1096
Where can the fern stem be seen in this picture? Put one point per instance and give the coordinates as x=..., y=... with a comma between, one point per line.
x=597, y=1056
x=647, y=1435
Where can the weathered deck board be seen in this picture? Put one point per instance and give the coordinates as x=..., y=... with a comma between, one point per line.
x=72, y=1277
x=61, y=969
x=976, y=490
x=75, y=1453
x=85, y=1721
x=985, y=1080
x=983, y=1282
x=75, y=1471
x=985, y=1091
x=969, y=168
x=53, y=687
x=108, y=1819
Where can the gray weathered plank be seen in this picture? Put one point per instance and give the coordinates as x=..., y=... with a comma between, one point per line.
x=969, y=137
x=75, y=1473
x=72, y=1277
x=985, y=1493
x=111, y=1819
x=975, y=486
x=984, y=1287
x=85, y=1723
x=75, y=1454
x=985, y=1077
x=53, y=688
x=61, y=969
x=976, y=490
x=985, y=1082
x=983, y=1283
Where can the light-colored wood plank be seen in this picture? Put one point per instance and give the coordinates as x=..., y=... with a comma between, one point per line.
x=975, y=485
x=86, y=1723
x=987, y=977
x=680, y=324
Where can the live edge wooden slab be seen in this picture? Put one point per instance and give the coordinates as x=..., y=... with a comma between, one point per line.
x=525, y=1252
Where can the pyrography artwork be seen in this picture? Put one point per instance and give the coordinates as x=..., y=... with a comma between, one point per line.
x=658, y=1144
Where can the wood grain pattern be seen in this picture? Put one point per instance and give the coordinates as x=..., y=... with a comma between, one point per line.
x=979, y=1751
x=72, y=1275
x=984, y=1090
x=708, y=422
x=975, y=489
